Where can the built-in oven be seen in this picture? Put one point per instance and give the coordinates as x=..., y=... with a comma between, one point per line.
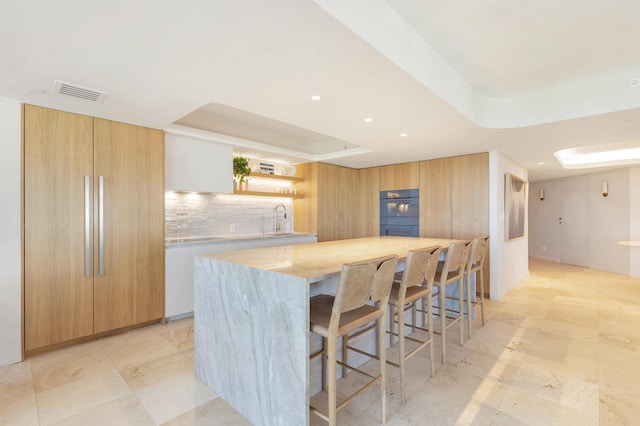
x=400, y=213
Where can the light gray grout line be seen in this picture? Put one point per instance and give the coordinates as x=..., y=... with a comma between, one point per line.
x=35, y=394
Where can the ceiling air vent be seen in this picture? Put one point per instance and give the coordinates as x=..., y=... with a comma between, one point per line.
x=62, y=88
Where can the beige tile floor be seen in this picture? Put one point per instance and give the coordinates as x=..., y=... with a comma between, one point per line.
x=562, y=348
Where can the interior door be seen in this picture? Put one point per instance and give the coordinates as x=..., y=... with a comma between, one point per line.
x=573, y=219
x=129, y=204
x=58, y=274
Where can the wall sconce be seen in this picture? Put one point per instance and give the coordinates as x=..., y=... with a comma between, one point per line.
x=605, y=188
x=541, y=194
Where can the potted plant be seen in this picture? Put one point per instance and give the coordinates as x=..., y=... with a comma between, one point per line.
x=241, y=169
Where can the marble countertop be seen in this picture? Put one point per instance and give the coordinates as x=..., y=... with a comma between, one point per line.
x=186, y=241
x=319, y=261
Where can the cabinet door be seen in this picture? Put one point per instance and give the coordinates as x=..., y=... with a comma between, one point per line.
x=399, y=176
x=129, y=225
x=58, y=289
x=435, y=198
x=179, y=279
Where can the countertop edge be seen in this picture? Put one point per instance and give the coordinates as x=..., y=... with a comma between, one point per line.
x=231, y=239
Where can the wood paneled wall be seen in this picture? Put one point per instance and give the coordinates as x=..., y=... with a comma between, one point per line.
x=399, y=176
x=306, y=209
x=343, y=203
x=470, y=196
x=368, y=199
x=435, y=198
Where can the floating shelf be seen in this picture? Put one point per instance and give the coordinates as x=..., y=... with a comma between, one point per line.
x=293, y=179
x=267, y=194
x=277, y=177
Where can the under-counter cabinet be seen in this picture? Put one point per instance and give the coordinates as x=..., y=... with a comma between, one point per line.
x=93, y=226
x=180, y=274
x=180, y=266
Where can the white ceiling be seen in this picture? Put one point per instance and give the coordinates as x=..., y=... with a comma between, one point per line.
x=523, y=78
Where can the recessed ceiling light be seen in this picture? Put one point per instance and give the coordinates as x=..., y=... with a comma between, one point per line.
x=634, y=82
x=315, y=98
x=368, y=120
x=541, y=163
x=404, y=135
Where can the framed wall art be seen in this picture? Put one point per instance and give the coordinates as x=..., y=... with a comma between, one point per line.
x=515, y=200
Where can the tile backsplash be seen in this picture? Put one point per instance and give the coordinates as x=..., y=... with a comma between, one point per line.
x=199, y=215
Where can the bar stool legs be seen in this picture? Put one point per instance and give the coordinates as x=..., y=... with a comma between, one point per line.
x=475, y=265
x=452, y=271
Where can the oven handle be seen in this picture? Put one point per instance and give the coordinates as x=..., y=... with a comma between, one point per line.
x=399, y=233
x=401, y=200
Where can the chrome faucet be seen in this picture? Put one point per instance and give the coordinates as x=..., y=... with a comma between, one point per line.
x=276, y=224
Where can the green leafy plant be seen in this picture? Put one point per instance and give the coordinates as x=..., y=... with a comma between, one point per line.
x=241, y=168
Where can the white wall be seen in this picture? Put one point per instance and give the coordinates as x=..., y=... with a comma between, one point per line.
x=543, y=239
x=634, y=220
x=509, y=259
x=609, y=219
x=10, y=253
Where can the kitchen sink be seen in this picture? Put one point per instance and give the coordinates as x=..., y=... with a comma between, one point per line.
x=279, y=234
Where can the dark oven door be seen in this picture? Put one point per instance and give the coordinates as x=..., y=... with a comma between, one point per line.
x=399, y=207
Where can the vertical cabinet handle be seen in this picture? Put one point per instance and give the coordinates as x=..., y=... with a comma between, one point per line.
x=101, y=222
x=87, y=228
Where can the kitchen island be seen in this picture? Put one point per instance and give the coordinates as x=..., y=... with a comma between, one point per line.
x=251, y=321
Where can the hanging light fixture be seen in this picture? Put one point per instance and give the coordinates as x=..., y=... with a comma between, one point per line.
x=605, y=188
x=541, y=194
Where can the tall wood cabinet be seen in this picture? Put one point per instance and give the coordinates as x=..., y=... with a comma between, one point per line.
x=93, y=226
x=330, y=206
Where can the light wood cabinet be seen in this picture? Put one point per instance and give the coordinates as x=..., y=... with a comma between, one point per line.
x=368, y=203
x=94, y=226
x=130, y=160
x=330, y=207
x=399, y=176
x=470, y=196
x=435, y=198
x=58, y=294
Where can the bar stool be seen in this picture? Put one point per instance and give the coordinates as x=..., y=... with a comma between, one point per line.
x=477, y=256
x=414, y=284
x=332, y=317
x=452, y=272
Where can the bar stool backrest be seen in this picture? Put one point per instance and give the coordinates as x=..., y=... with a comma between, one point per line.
x=455, y=261
x=432, y=265
x=354, y=288
x=383, y=280
x=420, y=266
x=478, y=254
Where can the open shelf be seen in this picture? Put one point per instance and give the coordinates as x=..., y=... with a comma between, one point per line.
x=292, y=179
x=267, y=194
x=277, y=177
